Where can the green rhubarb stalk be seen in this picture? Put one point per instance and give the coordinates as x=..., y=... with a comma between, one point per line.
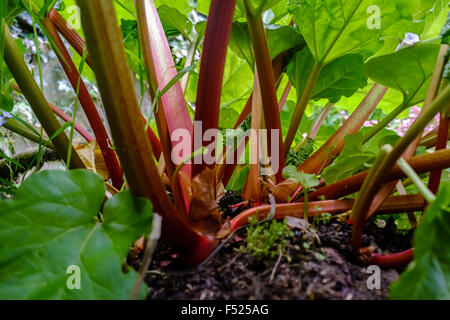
x=14, y=126
x=36, y=99
x=384, y=123
x=411, y=174
x=385, y=162
x=331, y=149
x=109, y=62
x=301, y=106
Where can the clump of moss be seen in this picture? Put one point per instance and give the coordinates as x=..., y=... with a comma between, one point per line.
x=267, y=240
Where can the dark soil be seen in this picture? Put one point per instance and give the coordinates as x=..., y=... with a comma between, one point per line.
x=320, y=271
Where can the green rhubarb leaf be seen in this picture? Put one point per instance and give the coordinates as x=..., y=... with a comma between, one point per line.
x=13, y=9
x=435, y=19
x=182, y=6
x=445, y=36
x=203, y=6
x=131, y=42
x=408, y=70
x=237, y=180
x=54, y=226
x=333, y=28
x=228, y=117
x=173, y=19
x=356, y=157
x=305, y=179
x=279, y=38
x=428, y=276
x=283, y=38
x=241, y=43
x=351, y=160
x=237, y=83
x=342, y=77
x=6, y=97
x=445, y=33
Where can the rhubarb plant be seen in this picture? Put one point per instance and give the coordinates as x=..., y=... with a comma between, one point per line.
x=304, y=90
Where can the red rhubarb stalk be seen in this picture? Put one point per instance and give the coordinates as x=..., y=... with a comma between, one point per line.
x=226, y=170
x=109, y=155
x=158, y=59
x=78, y=43
x=326, y=154
x=443, y=131
x=217, y=35
x=420, y=164
x=441, y=143
x=394, y=260
x=64, y=116
x=128, y=130
x=381, y=168
x=267, y=81
x=252, y=188
x=69, y=33
x=433, y=89
x=284, y=96
x=393, y=204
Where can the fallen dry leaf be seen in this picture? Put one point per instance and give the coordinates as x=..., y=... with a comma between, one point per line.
x=204, y=213
x=365, y=254
x=91, y=155
x=282, y=191
x=226, y=229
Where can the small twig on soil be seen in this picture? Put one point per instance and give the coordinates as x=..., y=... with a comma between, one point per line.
x=272, y=275
x=151, y=246
x=229, y=263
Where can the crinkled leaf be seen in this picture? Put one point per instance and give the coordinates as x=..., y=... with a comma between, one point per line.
x=228, y=117
x=13, y=9
x=53, y=224
x=408, y=70
x=428, y=276
x=447, y=71
x=445, y=33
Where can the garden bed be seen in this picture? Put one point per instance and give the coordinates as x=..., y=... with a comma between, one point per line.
x=324, y=271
